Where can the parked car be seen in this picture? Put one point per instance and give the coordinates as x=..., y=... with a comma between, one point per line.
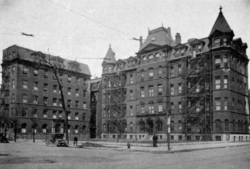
x=3, y=138
x=62, y=143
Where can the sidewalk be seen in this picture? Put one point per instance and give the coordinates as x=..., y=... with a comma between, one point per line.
x=175, y=147
x=146, y=147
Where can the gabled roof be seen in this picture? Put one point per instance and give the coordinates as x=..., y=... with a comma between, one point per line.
x=110, y=56
x=160, y=36
x=221, y=24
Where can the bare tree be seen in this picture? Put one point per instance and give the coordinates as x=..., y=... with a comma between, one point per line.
x=8, y=122
x=119, y=126
x=34, y=123
x=56, y=67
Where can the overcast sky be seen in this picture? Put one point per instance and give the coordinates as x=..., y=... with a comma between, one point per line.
x=77, y=29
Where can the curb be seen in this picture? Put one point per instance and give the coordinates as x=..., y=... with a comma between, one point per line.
x=180, y=151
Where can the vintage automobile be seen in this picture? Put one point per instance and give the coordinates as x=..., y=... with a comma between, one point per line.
x=62, y=143
x=54, y=138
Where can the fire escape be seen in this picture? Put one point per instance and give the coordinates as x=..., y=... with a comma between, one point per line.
x=115, y=102
x=197, y=101
x=4, y=94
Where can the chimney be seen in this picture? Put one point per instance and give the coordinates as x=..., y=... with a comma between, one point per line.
x=178, y=38
x=169, y=32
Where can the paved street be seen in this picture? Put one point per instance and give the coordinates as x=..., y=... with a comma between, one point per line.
x=25, y=155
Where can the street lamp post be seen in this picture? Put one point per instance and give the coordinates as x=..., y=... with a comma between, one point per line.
x=168, y=128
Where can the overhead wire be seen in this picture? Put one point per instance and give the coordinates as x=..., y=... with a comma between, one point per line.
x=85, y=16
x=51, y=36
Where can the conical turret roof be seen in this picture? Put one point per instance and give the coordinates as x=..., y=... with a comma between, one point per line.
x=110, y=56
x=221, y=24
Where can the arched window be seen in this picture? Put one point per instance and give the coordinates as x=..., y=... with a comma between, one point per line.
x=109, y=69
x=69, y=128
x=151, y=91
x=23, y=128
x=246, y=127
x=217, y=125
x=151, y=57
x=83, y=128
x=131, y=126
x=76, y=129
x=44, y=128
x=217, y=42
x=239, y=125
x=180, y=125
x=172, y=126
x=104, y=127
x=159, y=125
x=142, y=75
x=144, y=58
x=233, y=125
x=160, y=72
x=160, y=90
x=151, y=73
x=142, y=126
x=158, y=56
x=226, y=125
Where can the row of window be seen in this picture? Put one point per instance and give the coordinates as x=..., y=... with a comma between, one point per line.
x=222, y=61
x=151, y=73
x=55, y=114
x=218, y=104
x=46, y=75
x=172, y=91
x=55, y=88
x=152, y=57
x=241, y=126
x=151, y=91
x=55, y=101
x=195, y=48
x=45, y=129
x=172, y=70
x=218, y=80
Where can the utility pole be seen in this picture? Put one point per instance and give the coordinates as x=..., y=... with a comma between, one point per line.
x=168, y=108
x=140, y=40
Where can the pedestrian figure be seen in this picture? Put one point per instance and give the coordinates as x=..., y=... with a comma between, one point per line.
x=128, y=145
x=75, y=140
x=155, y=138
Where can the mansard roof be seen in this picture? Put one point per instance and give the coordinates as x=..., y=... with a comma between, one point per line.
x=29, y=55
x=160, y=36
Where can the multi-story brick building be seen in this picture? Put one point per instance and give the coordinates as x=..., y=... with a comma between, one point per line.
x=33, y=95
x=95, y=108
x=203, y=83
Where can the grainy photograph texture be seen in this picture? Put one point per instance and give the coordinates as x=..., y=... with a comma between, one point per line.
x=124, y=84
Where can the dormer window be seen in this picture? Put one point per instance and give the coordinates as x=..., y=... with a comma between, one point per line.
x=158, y=56
x=104, y=69
x=153, y=39
x=224, y=41
x=216, y=42
x=199, y=47
x=151, y=57
x=110, y=69
x=144, y=58
x=182, y=52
